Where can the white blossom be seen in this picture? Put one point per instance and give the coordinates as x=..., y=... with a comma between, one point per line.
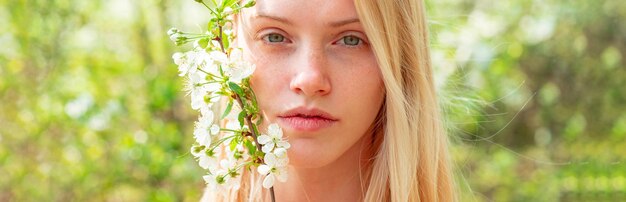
x=208, y=162
x=222, y=180
x=208, y=72
x=200, y=88
x=238, y=68
x=202, y=131
x=218, y=58
x=240, y=72
x=207, y=158
x=186, y=62
x=275, y=168
x=273, y=139
x=215, y=129
x=228, y=176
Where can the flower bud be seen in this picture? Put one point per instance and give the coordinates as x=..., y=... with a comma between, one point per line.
x=174, y=36
x=220, y=179
x=172, y=31
x=179, y=39
x=228, y=11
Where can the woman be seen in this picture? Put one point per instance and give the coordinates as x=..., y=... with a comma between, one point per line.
x=350, y=83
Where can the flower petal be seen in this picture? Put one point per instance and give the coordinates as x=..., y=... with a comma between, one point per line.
x=270, y=159
x=206, y=111
x=268, y=182
x=225, y=164
x=207, y=118
x=209, y=179
x=281, y=162
x=197, y=98
x=215, y=129
x=204, y=161
x=264, y=139
x=201, y=135
x=283, y=144
x=267, y=148
x=218, y=57
x=280, y=152
x=263, y=169
x=236, y=54
x=275, y=131
x=281, y=175
x=179, y=58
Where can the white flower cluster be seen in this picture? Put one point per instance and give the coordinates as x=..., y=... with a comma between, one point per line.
x=215, y=76
x=208, y=72
x=275, y=149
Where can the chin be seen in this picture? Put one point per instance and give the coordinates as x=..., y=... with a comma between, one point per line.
x=310, y=153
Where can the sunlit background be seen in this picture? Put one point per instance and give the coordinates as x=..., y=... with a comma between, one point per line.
x=92, y=109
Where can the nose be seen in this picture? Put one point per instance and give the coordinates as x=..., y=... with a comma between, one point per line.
x=311, y=78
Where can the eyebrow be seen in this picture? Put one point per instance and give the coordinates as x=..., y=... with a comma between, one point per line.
x=276, y=18
x=344, y=22
x=286, y=21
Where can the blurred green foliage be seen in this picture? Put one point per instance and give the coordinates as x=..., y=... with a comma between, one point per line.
x=535, y=96
x=91, y=108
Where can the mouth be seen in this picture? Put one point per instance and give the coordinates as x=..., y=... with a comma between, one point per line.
x=306, y=120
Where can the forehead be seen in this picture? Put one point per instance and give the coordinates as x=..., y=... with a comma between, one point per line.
x=304, y=11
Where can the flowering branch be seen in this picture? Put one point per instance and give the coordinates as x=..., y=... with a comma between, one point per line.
x=217, y=73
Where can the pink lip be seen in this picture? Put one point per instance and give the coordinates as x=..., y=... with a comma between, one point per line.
x=306, y=120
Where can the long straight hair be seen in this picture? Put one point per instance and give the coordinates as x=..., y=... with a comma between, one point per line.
x=411, y=161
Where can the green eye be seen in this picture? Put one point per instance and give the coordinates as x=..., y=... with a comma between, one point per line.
x=275, y=38
x=351, y=40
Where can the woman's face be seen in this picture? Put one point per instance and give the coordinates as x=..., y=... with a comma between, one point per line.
x=316, y=75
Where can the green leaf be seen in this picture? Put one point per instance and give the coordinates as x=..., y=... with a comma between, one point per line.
x=204, y=42
x=211, y=26
x=236, y=88
x=252, y=94
x=241, y=117
x=260, y=153
x=250, y=146
x=228, y=108
x=250, y=4
x=229, y=3
x=225, y=41
x=221, y=71
x=223, y=93
x=259, y=121
x=233, y=143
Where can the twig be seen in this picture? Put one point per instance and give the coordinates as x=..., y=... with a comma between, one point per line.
x=255, y=135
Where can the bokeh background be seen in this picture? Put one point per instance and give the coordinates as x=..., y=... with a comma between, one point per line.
x=91, y=107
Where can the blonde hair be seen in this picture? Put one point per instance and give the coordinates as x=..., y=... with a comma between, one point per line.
x=411, y=161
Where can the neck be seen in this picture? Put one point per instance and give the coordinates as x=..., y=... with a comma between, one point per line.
x=342, y=180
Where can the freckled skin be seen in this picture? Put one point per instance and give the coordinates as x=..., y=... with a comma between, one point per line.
x=312, y=65
x=315, y=54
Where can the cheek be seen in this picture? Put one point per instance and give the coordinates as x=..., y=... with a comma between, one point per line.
x=363, y=95
x=265, y=78
x=363, y=83
x=269, y=83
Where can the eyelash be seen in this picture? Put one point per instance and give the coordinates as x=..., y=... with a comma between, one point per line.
x=265, y=38
x=360, y=43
